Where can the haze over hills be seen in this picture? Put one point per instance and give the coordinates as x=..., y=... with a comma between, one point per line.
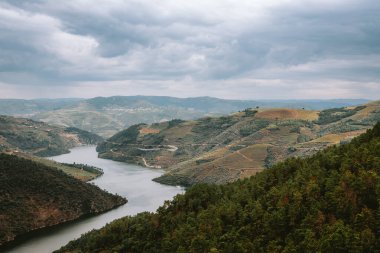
x=24, y=108
x=227, y=148
x=107, y=115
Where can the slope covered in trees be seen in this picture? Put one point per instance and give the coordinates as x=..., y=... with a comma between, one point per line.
x=328, y=202
x=33, y=195
x=41, y=139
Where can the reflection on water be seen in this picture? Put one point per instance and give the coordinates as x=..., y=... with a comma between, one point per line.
x=131, y=181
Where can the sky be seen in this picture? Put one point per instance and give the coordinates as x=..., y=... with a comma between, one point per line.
x=246, y=49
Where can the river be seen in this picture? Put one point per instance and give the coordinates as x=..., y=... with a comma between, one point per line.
x=133, y=182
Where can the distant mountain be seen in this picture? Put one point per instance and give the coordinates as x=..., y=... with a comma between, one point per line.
x=39, y=138
x=107, y=115
x=28, y=108
x=33, y=195
x=329, y=202
x=224, y=149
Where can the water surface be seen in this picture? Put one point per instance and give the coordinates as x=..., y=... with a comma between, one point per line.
x=131, y=181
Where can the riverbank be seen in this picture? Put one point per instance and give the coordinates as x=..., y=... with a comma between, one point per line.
x=35, y=196
x=126, y=180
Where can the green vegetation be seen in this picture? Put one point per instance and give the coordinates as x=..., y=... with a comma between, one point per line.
x=82, y=172
x=107, y=115
x=329, y=202
x=41, y=139
x=84, y=136
x=33, y=195
x=128, y=135
x=209, y=125
x=174, y=122
x=249, y=112
x=234, y=146
x=335, y=114
x=85, y=167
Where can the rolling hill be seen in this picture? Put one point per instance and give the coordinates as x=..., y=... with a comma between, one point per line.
x=107, y=115
x=329, y=202
x=28, y=108
x=34, y=195
x=41, y=139
x=224, y=149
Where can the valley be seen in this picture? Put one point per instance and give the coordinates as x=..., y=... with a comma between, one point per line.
x=126, y=180
x=106, y=116
x=328, y=202
x=224, y=149
x=34, y=196
x=216, y=150
x=211, y=126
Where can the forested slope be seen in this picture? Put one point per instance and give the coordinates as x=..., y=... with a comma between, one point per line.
x=328, y=202
x=41, y=139
x=33, y=195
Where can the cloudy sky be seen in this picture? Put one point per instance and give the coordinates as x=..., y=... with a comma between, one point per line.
x=246, y=49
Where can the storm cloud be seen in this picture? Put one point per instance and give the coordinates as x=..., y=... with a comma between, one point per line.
x=224, y=48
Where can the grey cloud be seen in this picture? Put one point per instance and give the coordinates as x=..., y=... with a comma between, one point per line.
x=209, y=41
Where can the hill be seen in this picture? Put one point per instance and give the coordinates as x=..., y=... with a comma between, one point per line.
x=224, y=149
x=33, y=195
x=107, y=115
x=39, y=138
x=81, y=172
x=329, y=202
x=28, y=108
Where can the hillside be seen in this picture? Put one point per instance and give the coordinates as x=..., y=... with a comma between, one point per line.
x=107, y=115
x=33, y=195
x=224, y=149
x=26, y=108
x=81, y=172
x=329, y=202
x=41, y=139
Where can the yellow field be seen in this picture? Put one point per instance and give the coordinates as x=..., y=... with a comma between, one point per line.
x=286, y=114
x=146, y=130
x=336, y=138
x=370, y=107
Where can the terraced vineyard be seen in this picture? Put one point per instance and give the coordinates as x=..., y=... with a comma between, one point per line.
x=223, y=149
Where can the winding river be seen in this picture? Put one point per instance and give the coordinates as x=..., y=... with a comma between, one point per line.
x=133, y=182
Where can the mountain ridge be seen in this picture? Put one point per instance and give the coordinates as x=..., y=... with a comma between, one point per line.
x=107, y=115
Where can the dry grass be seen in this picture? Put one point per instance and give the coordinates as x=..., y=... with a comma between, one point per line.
x=370, y=107
x=74, y=172
x=175, y=133
x=257, y=153
x=286, y=114
x=147, y=130
x=251, y=157
x=336, y=138
x=248, y=172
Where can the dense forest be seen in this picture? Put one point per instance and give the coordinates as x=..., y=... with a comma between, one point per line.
x=328, y=202
x=33, y=195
